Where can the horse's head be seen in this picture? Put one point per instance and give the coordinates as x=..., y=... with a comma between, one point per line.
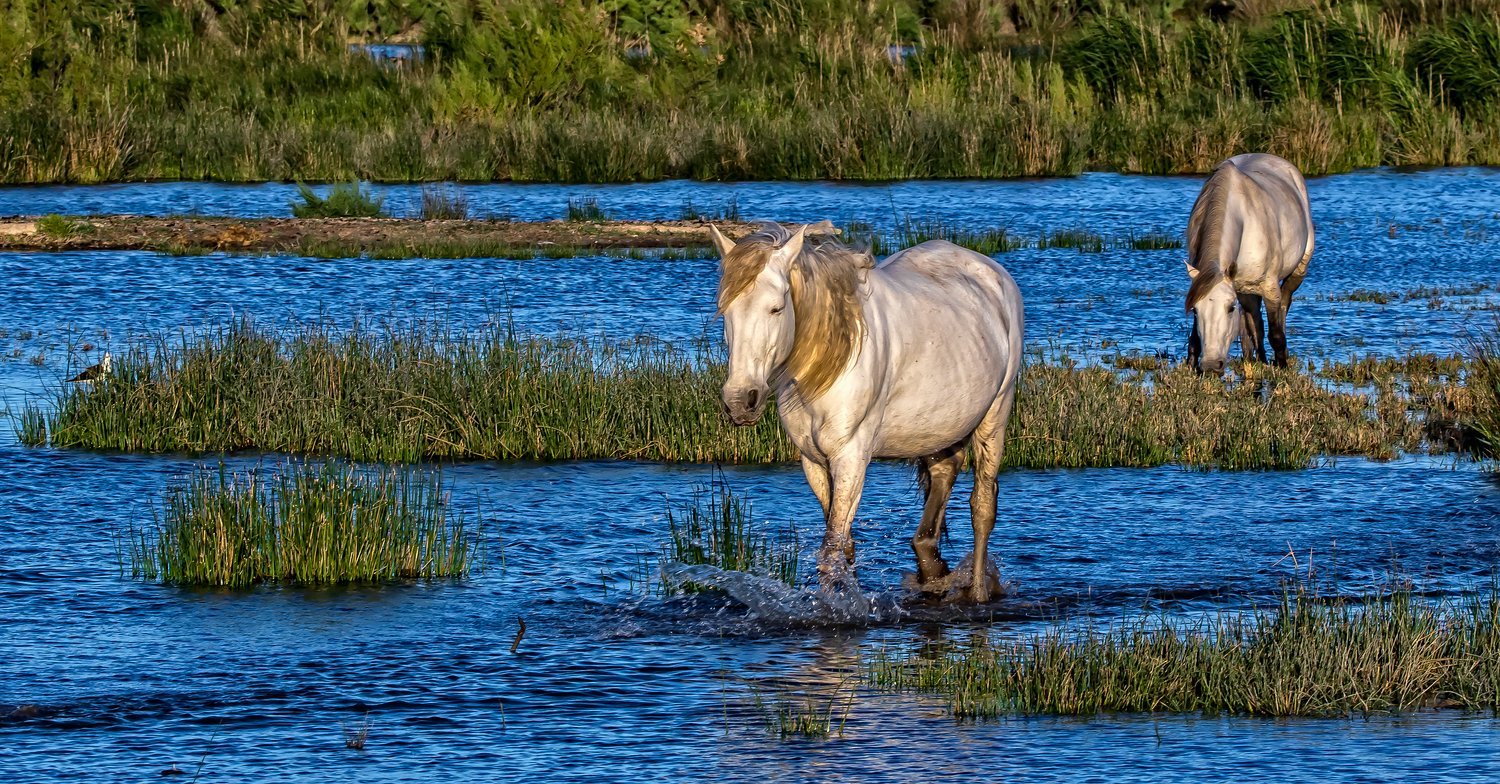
x=1213, y=302
x=755, y=298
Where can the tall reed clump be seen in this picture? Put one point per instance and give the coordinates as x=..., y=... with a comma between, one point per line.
x=1307, y=657
x=306, y=524
x=717, y=529
x=444, y=204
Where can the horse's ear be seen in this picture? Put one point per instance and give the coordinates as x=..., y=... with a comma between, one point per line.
x=793, y=246
x=1192, y=271
x=723, y=243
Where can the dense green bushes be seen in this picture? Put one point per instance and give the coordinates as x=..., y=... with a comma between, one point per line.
x=607, y=90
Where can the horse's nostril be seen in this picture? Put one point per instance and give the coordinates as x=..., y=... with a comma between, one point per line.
x=752, y=398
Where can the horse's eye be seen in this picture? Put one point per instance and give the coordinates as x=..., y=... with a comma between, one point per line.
x=1231, y=309
x=777, y=309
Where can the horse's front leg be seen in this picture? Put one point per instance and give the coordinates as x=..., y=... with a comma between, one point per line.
x=847, y=477
x=817, y=479
x=1195, y=344
x=1276, y=314
x=1253, y=328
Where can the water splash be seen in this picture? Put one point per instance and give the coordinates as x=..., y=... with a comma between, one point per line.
x=776, y=602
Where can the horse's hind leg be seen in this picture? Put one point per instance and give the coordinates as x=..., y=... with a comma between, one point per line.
x=936, y=473
x=989, y=448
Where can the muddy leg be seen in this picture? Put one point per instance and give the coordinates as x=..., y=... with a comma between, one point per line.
x=989, y=447
x=1252, y=336
x=936, y=473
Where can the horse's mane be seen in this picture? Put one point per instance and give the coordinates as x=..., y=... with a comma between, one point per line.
x=1206, y=231
x=825, y=280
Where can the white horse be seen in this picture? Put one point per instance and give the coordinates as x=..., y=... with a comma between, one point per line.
x=1249, y=240
x=914, y=358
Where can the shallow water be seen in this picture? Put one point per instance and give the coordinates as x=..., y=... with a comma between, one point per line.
x=613, y=683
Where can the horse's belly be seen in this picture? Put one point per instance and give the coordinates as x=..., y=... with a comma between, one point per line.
x=935, y=417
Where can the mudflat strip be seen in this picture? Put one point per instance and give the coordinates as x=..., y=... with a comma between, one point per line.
x=348, y=236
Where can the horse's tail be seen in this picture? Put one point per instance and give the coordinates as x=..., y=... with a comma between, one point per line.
x=1206, y=231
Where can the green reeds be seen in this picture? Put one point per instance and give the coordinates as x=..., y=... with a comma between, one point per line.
x=419, y=392
x=717, y=529
x=55, y=225
x=1309, y=656
x=347, y=200
x=302, y=523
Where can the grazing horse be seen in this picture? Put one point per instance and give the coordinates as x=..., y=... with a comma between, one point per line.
x=914, y=358
x=1249, y=240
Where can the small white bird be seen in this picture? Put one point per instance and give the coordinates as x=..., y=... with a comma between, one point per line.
x=94, y=371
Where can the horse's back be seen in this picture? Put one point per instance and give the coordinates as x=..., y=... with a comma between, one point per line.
x=1282, y=197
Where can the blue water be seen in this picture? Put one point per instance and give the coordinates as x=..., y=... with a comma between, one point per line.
x=614, y=683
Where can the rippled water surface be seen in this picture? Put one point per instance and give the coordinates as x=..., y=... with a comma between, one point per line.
x=122, y=679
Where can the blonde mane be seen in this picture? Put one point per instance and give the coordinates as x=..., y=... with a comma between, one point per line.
x=1206, y=232
x=825, y=280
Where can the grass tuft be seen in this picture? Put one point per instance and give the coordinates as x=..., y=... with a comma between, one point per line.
x=60, y=227
x=302, y=523
x=346, y=200
x=440, y=203
x=585, y=209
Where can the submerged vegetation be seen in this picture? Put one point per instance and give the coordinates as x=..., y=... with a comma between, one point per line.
x=581, y=90
x=417, y=392
x=302, y=523
x=1311, y=656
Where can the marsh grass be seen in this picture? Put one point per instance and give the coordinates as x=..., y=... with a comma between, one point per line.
x=1310, y=656
x=345, y=200
x=61, y=227
x=1151, y=240
x=302, y=523
x=1083, y=240
x=416, y=392
x=717, y=529
x=526, y=91
x=585, y=209
x=729, y=212
x=444, y=203
x=792, y=714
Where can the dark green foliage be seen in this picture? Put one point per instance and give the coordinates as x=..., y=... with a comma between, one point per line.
x=1462, y=60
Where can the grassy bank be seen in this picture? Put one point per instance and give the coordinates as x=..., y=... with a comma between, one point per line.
x=1307, y=657
x=417, y=392
x=533, y=90
x=304, y=524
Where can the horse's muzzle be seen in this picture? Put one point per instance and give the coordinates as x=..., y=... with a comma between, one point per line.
x=1211, y=366
x=744, y=406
